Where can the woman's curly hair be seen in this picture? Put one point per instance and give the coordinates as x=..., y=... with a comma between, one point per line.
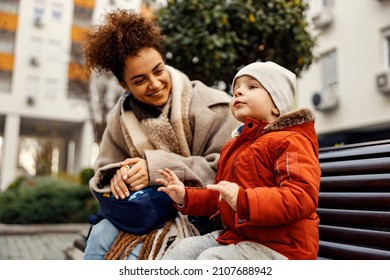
x=125, y=33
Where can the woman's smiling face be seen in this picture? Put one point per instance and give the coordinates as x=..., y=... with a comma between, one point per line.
x=147, y=78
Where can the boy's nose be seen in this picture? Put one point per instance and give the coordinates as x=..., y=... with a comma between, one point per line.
x=237, y=92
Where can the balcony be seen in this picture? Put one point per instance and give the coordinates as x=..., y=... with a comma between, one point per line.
x=88, y=4
x=77, y=34
x=78, y=72
x=8, y=21
x=6, y=62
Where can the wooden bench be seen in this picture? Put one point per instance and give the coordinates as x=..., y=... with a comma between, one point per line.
x=354, y=202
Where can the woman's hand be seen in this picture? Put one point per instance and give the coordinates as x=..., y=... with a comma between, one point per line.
x=172, y=186
x=132, y=176
x=227, y=191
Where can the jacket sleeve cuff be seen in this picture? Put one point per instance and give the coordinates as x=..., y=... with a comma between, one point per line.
x=182, y=207
x=242, y=205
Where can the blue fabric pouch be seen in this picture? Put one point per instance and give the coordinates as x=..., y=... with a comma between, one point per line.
x=141, y=212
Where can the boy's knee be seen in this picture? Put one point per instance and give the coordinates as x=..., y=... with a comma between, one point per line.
x=209, y=254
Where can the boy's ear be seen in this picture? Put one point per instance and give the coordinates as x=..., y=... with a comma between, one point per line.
x=275, y=111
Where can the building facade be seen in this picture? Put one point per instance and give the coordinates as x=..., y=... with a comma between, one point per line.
x=348, y=86
x=44, y=105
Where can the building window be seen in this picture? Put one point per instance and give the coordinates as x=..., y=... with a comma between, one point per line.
x=327, y=3
x=36, y=45
x=5, y=81
x=56, y=13
x=7, y=42
x=76, y=53
x=1, y=146
x=319, y=5
x=32, y=90
x=329, y=69
x=51, y=88
x=35, y=49
x=388, y=51
x=82, y=17
x=38, y=12
x=9, y=6
x=386, y=39
x=54, y=50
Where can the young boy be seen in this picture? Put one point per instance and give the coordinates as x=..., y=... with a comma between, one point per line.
x=267, y=184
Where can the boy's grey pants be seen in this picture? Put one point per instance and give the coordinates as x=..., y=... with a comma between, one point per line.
x=206, y=247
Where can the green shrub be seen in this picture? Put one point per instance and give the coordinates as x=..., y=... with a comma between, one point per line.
x=17, y=182
x=46, y=200
x=85, y=175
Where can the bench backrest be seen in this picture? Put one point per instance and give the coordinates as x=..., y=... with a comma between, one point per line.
x=354, y=202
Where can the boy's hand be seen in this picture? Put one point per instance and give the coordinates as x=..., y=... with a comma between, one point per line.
x=228, y=191
x=172, y=186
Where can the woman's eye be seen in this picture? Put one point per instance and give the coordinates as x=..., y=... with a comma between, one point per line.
x=158, y=71
x=138, y=82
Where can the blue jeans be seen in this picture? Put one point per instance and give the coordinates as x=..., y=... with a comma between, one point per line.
x=100, y=240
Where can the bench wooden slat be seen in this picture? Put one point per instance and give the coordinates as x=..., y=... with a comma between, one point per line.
x=366, y=166
x=374, y=238
x=356, y=153
x=358, y=218
x=356, y=200
x=326, y=149
x=363, y=182
x=340, y=251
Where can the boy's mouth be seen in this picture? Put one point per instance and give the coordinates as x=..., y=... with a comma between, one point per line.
x=237, y=102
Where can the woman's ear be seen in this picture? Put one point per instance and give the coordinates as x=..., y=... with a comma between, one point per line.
x=124, y=86
x=275, y=111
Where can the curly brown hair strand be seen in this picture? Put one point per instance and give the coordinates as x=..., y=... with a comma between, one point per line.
x=124, y=34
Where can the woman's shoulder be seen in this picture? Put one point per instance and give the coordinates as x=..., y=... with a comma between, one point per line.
x=115, y=112
x=210, y=96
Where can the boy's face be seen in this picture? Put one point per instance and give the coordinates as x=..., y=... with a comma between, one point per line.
x=250, y=99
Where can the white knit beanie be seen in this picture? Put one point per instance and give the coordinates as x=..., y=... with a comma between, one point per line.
x=277, y=80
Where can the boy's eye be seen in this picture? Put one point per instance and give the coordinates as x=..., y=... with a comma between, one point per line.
x=253, y=86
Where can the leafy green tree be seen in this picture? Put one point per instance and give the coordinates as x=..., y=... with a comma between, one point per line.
x=210, y=40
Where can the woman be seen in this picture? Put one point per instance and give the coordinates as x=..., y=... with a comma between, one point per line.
x=163, y=120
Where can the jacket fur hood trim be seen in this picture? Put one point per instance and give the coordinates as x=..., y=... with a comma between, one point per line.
x=291, y=119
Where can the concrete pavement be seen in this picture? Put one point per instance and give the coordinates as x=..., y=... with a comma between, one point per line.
x=38, y=242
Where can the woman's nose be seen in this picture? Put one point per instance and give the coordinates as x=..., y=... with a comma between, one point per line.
x=154, y=83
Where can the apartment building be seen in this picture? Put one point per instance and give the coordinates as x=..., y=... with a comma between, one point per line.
x=348, y=86
x=43, y=85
